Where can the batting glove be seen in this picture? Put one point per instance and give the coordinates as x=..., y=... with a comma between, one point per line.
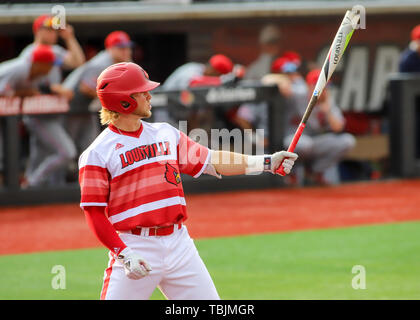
x=270, y=162
x=135, y=266
x=285, y=158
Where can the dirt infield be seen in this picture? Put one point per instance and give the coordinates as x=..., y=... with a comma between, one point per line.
x=60, y=227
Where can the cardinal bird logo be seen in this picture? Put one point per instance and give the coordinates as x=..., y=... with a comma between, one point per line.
x=172, y=175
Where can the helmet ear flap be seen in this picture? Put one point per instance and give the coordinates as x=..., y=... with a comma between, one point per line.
x=128, y=105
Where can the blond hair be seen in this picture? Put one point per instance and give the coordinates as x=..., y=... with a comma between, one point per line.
x=108, y=116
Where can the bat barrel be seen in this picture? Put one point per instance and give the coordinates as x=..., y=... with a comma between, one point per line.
x=337, y=49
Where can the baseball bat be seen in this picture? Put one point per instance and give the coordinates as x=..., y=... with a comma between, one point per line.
x=338, y=46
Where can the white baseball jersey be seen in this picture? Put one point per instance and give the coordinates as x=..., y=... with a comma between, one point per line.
x=181, y=77
x=60, y=53
x=14, y=75
x=136, y=175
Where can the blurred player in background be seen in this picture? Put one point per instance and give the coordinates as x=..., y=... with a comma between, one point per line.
x=194, y=74
x=410, y=58
x=45, y=33
x=82, y=126
x=49, y=142
x=20, y=77
x=132, y=195
x=255, y=115
x=269, y=42
x=323, y=143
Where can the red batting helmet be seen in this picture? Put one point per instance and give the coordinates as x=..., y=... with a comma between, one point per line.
x=118, y=82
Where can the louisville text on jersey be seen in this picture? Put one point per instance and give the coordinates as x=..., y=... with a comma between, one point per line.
x=144, y=152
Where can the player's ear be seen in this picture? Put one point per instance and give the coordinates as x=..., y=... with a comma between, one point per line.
x=125, y=104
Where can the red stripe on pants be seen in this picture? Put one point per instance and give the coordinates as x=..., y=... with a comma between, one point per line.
x=107, y=278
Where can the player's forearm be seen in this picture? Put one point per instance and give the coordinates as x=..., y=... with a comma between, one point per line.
x=26, y=92
x=103, y=229
x=229, y=163
x=61, y=91
x=87, y=91
x=76, y=57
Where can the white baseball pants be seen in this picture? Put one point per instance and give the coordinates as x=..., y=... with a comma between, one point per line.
x=178, y=270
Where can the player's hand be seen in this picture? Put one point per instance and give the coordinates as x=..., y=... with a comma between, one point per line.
x=67, y=32
x=135, y=266
x=285, y=158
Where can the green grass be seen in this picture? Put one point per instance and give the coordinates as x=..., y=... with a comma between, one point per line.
x=298, y=265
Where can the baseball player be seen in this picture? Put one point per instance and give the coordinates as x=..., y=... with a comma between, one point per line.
x=182, y=77
x=270, y=44
x=132, y=195
x=44, y=33
x=410, y=57
x=83, y=128
x=19, y=77
x=323, y=143
x=195, y=74
x=48, y=138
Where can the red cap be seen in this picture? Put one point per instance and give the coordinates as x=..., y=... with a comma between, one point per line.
x=293, y=56
x=415, y=33
x=118, y=39
x=221, y=63
x=44, y=21
x=43, y=53
x=283, y=65
x=312, y=76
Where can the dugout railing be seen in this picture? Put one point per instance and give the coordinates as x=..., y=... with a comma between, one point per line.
x=178, y=104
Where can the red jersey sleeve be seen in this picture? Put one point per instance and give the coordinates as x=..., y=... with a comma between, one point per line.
x=93, y=179
x=192, y=156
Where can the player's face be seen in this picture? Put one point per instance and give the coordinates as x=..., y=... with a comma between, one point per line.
x=47, y=36
x=121, y=54
x=144, y=108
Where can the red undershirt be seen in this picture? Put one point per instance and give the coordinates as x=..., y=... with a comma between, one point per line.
x=103, y=229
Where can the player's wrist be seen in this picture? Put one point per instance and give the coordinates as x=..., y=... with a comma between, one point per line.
x=124, y=253
x=258, y=164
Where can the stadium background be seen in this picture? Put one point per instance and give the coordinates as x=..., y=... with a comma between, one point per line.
x=276, y=243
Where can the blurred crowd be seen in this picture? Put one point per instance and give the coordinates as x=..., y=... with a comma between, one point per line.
x=56, y=141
